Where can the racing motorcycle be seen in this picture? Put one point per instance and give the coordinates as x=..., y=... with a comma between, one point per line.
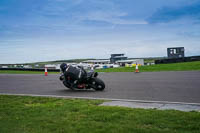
x=77, y=78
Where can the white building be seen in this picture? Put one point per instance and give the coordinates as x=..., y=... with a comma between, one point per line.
x=131, y=62
x=4, y=67
x=27, y=66
x=96, y=62
x=53, y=66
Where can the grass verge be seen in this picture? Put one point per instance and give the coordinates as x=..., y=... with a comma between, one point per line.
x=185, y=66
x=36, y=114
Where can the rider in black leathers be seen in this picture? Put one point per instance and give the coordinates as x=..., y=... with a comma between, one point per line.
x=63, y=68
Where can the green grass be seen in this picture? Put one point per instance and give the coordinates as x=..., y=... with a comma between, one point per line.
x=186, y=66
x=22, y=114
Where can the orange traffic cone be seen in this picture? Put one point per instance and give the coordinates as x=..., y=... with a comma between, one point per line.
x=136, y=68
x=45, y=73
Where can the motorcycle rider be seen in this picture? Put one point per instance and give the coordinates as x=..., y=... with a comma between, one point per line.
x=64, y=68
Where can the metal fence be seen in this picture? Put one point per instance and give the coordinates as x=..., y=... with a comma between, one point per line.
x=176, y=60
x=31, y=69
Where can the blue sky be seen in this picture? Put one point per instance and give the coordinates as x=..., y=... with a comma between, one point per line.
x=43, y=30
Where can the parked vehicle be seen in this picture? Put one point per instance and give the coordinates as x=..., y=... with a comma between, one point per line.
x=77, y=78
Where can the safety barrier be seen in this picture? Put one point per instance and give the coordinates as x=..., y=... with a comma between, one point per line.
x=176, y=60
x=31, y=69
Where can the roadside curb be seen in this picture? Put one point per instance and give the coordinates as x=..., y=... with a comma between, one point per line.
x=160, y=105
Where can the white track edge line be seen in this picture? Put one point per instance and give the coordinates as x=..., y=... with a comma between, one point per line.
x=110, y=99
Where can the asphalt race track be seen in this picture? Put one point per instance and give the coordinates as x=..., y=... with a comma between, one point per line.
x=153, y=86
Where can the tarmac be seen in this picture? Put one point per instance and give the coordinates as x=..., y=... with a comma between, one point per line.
x=161, y=88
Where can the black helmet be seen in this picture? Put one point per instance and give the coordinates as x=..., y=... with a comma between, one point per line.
x=63, y=67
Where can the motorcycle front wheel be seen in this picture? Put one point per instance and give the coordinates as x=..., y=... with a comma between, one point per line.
x=98, y=84
x=66, y=84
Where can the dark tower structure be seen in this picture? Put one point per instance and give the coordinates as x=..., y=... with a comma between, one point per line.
x=176, y=52
x=116, y=57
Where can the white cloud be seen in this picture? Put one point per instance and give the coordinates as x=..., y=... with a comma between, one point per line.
x=113, y=17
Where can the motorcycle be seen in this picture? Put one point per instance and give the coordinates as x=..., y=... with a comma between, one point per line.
x=90, y=80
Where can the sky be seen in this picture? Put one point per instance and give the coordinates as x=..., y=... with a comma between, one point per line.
x=47, y=30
